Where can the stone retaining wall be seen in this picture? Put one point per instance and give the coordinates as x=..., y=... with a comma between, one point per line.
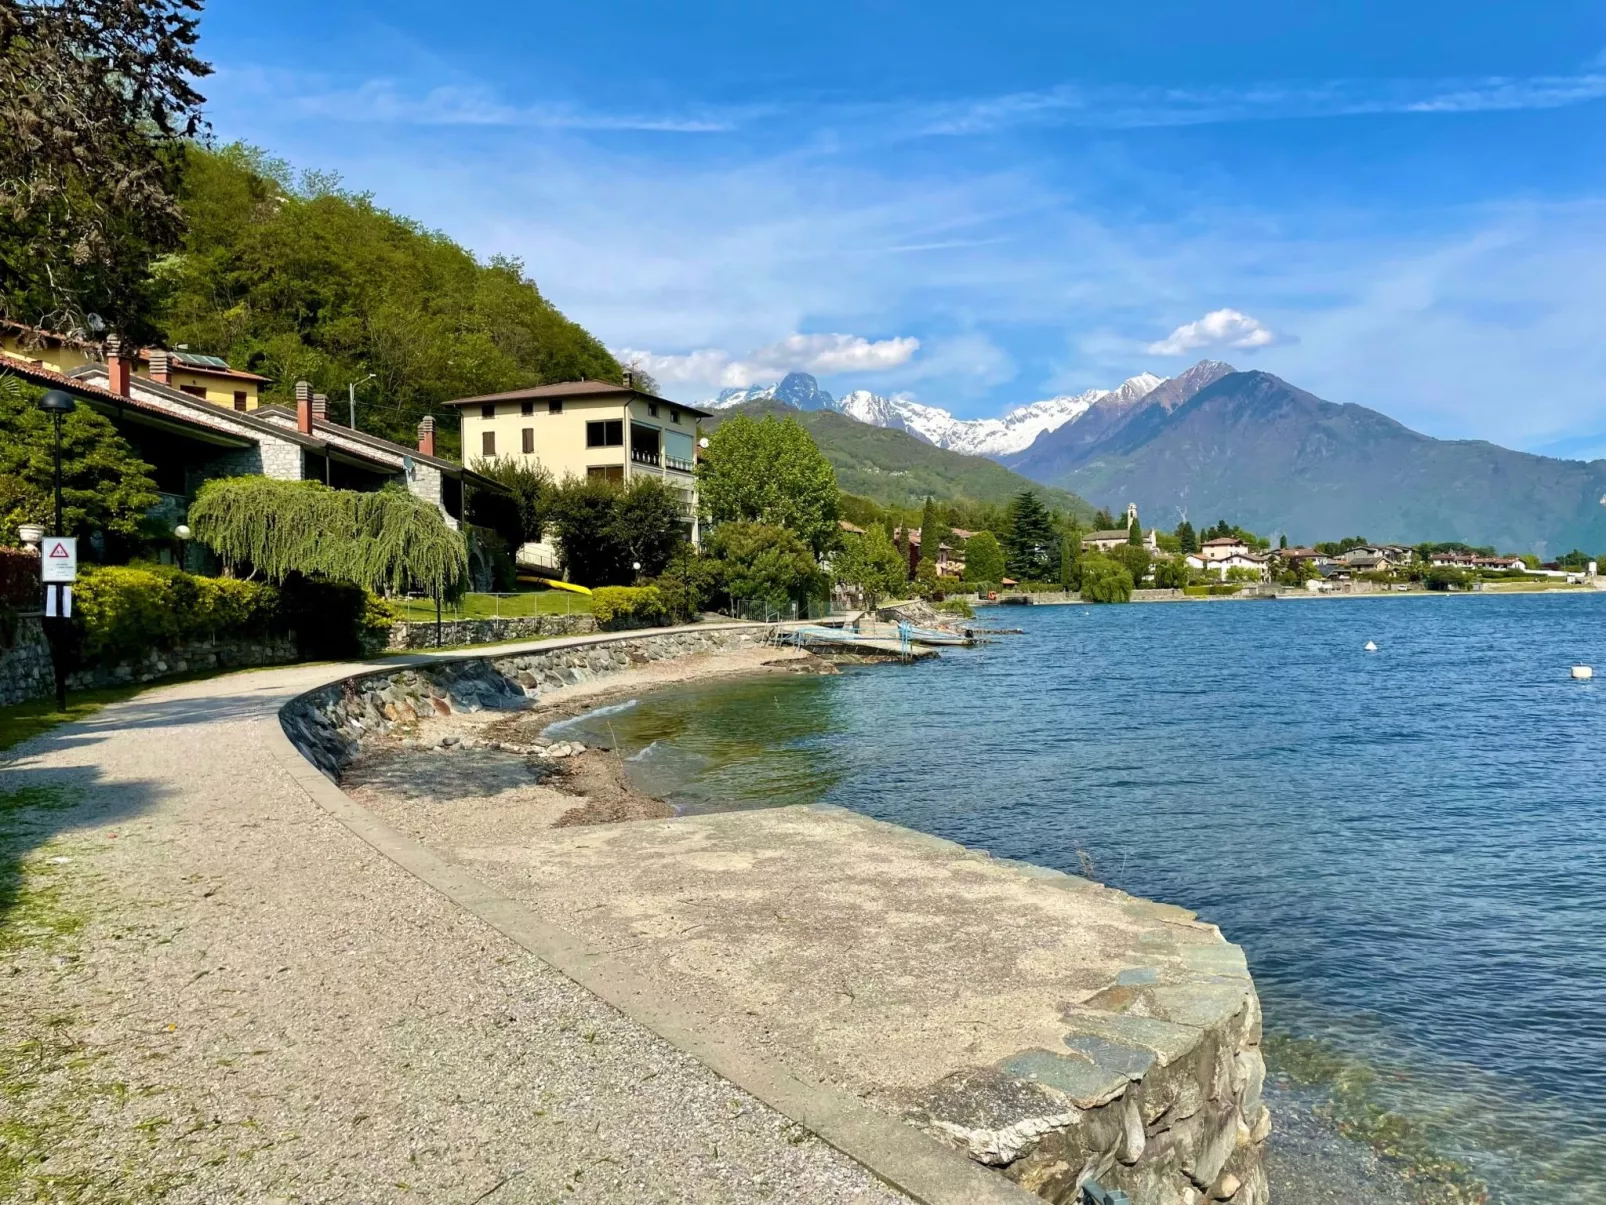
x=25, y=668
x=27, y=672
x=455, y=632
x=326, y=725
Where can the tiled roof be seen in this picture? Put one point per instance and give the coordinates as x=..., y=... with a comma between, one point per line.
x=568, y=389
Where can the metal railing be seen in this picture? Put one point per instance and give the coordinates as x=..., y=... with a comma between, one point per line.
x=524, y=604
x=678, y=465
x=643, y=456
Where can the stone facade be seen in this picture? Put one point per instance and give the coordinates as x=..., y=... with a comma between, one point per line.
x=326, y=725
x=26, y=670
x=455, y=632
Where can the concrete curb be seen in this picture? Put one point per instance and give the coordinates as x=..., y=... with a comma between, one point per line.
x=901, y=1156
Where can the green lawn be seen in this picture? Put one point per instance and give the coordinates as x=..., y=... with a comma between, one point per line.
x=525, y=605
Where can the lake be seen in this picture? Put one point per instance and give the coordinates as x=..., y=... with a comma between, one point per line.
x=1410, y=844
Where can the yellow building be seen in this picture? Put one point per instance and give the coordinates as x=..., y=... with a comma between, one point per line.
x=207, y=377
x=588, y=429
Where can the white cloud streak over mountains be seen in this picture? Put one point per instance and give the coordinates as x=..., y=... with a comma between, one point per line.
x=1218, y=329
x=823, y=355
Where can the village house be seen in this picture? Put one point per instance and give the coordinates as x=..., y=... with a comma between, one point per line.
x=950, y=562
x=1219, y=560
x=1223, y=548
x=206, y=377
x=188, y=441
x=596, y=429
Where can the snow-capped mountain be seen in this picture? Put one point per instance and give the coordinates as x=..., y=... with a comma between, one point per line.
x=1009, y=435
x=795, y=389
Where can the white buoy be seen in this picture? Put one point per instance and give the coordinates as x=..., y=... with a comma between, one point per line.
x=1583, y=672
x=1370, y=647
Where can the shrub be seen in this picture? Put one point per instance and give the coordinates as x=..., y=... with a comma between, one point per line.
x=1170, y=573
x=1105, y=581
x=122, y=611
x=1444, y=577
x=957, y=606
x=19, y=578
x=618, y=607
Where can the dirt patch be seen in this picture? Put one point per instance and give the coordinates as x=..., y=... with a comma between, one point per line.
x=598, y=777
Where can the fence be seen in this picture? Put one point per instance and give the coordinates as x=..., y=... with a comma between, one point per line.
x=764, y=610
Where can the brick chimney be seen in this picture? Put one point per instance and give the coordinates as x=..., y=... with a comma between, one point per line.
x=426, y=435
x=304, y=408
x=161, y=367
x=117, y=366
x=320, y=407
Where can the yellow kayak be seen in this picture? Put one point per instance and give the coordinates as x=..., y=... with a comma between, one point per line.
x=554, y=583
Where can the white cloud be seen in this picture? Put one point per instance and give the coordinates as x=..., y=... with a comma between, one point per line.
x=1218, y=328
x=823, y=355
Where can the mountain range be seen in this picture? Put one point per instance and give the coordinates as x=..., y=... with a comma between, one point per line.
x=1249, y=447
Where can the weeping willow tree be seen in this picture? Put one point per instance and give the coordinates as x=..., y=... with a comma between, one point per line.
x=385, y=540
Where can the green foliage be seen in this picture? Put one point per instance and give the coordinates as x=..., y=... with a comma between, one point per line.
x=382, y=540
x=984, y=559
x=1134, y=559
x=957, y=606
x=1445, y=577
x=627, y=606
x=1103, y=520
x=872, y=565
x=686, y=585
x=770, y=471
x=1134, y=533
x=304, y=280
x=121, y=611
x=104, y=486
x=763, y=566
x=1243, y=573
x=934, y=533
x=604, y=529
x=1031, y=543
x=1170, y=573
x=1187, y=538
x=926, y=582
x=1071, y=559
x=95, y=100
x=1340, y=547
x=1105, y=580
x=519, y=516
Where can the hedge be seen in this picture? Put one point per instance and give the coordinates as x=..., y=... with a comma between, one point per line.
x=121, y=611
x=19, y=578
x=627, y=606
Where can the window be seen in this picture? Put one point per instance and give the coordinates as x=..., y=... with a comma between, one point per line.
x=529, y=440
x=193, y=390
x=554, y=407
x=652, y=409
x=674, y=415
x=526, y=408
x=608, y=472
x=488, y=410
x=240, y=400
x=488, y=443
x=608, y=433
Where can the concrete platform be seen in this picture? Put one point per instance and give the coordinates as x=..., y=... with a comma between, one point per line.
x=1048, y=1026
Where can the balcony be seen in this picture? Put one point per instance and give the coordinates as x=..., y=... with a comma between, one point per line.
x=676, y=464
x=644, y=456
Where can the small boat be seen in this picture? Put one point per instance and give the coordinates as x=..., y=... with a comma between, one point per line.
x=1370, y=647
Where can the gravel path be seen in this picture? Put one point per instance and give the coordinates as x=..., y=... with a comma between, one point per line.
x=215, y=992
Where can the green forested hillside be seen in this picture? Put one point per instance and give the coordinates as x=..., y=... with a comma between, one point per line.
x=300, y=279
x=899, y=470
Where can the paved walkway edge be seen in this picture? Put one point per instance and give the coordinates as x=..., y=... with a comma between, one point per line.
x=895, y=1153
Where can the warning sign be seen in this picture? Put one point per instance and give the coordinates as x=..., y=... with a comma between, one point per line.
x=58, y=559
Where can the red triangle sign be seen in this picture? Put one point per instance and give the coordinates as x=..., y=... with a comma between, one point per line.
x=59, y=552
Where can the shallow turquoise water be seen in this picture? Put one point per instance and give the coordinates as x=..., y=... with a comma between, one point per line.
x=1410, y=844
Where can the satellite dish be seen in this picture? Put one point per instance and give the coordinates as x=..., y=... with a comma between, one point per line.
x=95, y=323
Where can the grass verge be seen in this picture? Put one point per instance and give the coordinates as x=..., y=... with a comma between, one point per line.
x=21, y=721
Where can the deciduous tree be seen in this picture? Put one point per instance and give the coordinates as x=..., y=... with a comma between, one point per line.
x=770, y=471
x=872, y=564
x=984, y=559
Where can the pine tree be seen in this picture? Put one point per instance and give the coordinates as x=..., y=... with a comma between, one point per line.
x=1031, y=538
x=1282, y=540
x=1134, y=534
x=930, y=537
x=1103, y=520
x=1187, y=538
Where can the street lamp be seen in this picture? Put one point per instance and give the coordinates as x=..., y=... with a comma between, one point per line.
x=57, y=403
x=182, y=531
x=351, y=394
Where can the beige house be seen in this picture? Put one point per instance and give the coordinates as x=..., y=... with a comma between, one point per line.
x=588, y=429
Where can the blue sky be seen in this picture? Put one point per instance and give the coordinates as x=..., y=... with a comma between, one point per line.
x=1401, y=205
